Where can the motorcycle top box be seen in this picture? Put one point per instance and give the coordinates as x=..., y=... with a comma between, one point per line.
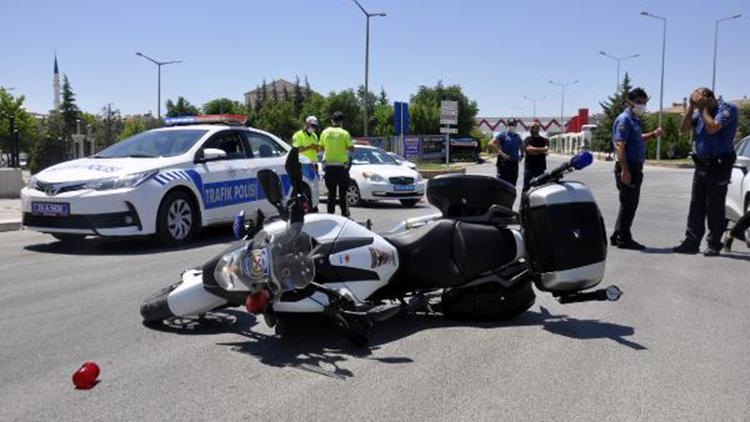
x=565, y=236
x=459, y=195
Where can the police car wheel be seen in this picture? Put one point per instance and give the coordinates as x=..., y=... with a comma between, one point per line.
x=177, y=219
x=353, y=198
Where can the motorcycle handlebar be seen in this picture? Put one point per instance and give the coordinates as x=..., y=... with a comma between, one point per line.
x=577, y=162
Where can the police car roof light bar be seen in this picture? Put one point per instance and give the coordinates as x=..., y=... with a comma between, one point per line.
x=227, y=119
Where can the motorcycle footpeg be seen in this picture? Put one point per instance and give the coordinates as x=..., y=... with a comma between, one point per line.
x=611, y=293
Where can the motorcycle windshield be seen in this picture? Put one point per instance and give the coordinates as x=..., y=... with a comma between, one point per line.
x=292, y=266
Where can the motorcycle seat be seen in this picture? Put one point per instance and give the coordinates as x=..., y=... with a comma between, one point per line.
x=449, y=253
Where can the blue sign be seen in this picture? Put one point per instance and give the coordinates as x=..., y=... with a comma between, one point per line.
x=411, y=147
x=400, y=118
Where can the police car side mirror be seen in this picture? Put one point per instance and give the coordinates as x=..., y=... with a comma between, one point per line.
x=211, y=154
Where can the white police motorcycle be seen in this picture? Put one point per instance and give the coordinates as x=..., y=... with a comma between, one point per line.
x=479, y=255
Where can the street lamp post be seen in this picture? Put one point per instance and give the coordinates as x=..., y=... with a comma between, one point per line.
x=618, y=60
x=158, y=78
x=562, y=101
x=533, y=102
x=661, y=89
x=716, y=44
x=368, y=15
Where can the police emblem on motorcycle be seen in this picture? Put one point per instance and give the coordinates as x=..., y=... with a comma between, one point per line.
x=259, y=263
x=380, y=258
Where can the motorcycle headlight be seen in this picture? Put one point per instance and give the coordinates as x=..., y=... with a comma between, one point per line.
x=127, y=181
x=243, y=271
x=419, y=177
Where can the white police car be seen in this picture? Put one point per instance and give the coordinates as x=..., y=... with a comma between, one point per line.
x=199, y=171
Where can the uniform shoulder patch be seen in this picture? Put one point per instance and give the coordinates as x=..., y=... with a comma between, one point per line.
x=725, y=113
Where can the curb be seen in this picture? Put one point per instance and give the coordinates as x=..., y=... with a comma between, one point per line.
x=8, y=226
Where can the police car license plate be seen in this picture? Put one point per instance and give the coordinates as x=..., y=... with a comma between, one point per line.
x=403, y=188
x=50, y=208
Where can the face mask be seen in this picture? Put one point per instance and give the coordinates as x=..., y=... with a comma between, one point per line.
x=639, y=109
x=311, y=130
x=512, y=129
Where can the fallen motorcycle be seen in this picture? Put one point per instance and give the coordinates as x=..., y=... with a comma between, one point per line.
x=477, y=254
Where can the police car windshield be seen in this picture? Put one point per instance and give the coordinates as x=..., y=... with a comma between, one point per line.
x=372, y=156
x=156, y=143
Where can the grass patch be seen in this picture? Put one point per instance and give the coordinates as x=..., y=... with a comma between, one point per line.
x=439, y=166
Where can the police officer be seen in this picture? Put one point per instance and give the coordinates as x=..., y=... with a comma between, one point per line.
x=630, y=150
x=536, y=147
x=714, y=125
x=306, y=140
x=337, y=146
x=507, y=146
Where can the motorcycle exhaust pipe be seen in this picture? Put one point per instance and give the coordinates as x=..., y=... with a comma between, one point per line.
x=611, y=293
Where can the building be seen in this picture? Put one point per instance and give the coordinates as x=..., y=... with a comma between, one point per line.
x=550, y=125
x=282, y=86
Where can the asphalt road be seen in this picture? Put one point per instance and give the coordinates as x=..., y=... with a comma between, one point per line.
x=674, y=348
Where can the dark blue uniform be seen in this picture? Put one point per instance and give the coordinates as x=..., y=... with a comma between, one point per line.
x=510, y=143
x=714, y=157
x=627, y=130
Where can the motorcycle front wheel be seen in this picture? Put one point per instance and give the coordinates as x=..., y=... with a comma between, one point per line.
x=156, y=309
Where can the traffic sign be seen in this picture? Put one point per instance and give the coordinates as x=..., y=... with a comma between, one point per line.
x=449, y=112
x=449, y=130
x=400, y=118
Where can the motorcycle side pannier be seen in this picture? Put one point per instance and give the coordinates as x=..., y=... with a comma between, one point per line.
x=459, y=195
x=565, y=237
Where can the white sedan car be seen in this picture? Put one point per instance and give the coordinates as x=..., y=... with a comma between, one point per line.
x=738, y=193
x=376, y=176
x=169, y=181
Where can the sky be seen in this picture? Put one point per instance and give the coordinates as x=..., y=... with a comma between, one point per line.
x=498, y=51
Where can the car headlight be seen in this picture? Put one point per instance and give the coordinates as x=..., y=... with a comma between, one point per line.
x=32, y=183
x=374, y=177
x=127, y=181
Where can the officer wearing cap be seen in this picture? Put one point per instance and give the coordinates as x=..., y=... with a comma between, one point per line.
x=507, y=146
x=337, y=146
x=306, y=140
x=714, y=125
x=628, y=139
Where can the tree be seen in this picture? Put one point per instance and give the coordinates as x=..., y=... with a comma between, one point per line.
x=277, y=118
x=299, y=98
x=274, y=92
x=424, y=108
x=24, y=123
x=224, y=106
x=69, y=111
x=612, y=107
x=346, y=102
x=138, y=123
x=181, y=108
x=49, y=146
x=262, y=96
x=743, y=126
x=308, y=91
x=107, y=127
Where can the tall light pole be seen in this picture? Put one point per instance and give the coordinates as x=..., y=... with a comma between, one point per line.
x=533, y=101
x=618, y=60
x=368, y=15
x=716, y=45
x=661, y=89
x=562, y=101
x=158, y=78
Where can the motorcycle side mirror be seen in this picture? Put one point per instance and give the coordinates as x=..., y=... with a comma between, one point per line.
x=238, y=227
x=271, y=184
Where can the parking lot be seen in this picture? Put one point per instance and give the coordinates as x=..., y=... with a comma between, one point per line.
x=673, y=348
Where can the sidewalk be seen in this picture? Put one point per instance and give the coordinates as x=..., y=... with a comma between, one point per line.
x=10, y=214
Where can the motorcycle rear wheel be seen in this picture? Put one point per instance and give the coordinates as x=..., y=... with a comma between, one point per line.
x=155, y=309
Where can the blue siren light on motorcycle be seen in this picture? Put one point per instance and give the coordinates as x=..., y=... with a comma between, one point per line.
x=239, y=220
x=582, y=160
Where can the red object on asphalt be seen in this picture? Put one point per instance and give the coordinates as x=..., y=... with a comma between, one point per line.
x=85, y=377
x=256, y=303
